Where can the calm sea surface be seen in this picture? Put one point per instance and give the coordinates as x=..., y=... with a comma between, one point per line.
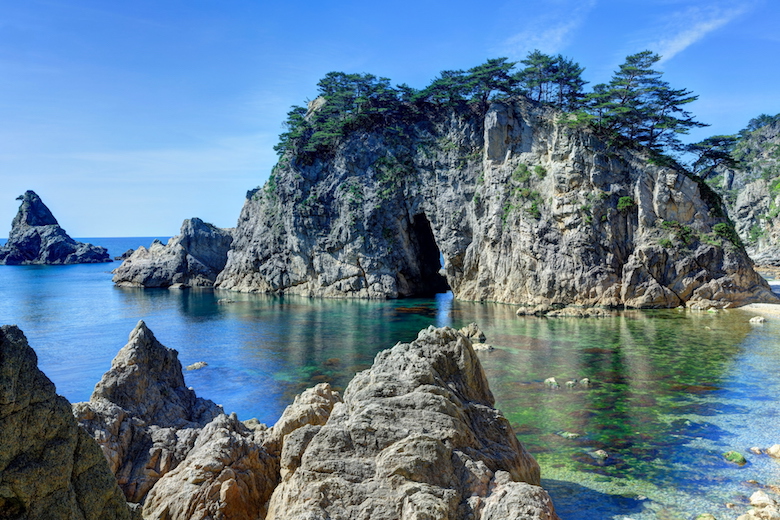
x=672, y=390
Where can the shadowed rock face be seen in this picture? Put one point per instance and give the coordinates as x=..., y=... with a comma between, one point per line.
x=37, y=238
x=192, y=258
x=50, y=469
x=523, y=209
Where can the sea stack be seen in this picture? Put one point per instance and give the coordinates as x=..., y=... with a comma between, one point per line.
x=523, y=207
x=193, y=258
x=37, y=238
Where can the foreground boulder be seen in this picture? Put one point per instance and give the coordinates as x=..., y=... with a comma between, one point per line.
x=522, y=208
x=227, y=474
x=50, y=469
x=37, y=238
x=192, y=258
x=415, y=437
x=142, y=414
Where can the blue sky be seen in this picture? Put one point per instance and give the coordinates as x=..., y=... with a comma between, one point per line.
x=128, y=117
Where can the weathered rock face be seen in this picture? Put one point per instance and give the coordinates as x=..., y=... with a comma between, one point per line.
x=227, y=474
x=37, y=238
x=143, y=416
x=192, y=258
x=522, y=208
x=416, y=437
x=756, y=209
x=50, y=469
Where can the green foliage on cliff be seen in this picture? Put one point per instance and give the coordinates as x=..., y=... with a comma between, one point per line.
x=635, y=107
x=639, y=106
x=625, y=203
x=728, y=232
x=713, y=152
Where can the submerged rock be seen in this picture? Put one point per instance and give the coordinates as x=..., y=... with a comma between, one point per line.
x=50, y=469
x=416, y=436
x=521, y=207
x=735, y=457
x=193, y=258
x=37, y=238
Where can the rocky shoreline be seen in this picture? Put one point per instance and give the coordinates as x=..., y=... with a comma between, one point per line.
x=415, y=436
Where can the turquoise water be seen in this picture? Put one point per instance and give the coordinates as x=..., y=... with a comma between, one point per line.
x=672, y=390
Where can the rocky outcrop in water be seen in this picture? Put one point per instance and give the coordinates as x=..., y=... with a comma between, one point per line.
x=142, y=414
x=415, y=437
x=416, y=434
x=50, y=469
x=37, y=238
x=193, y=258
x=522, y=208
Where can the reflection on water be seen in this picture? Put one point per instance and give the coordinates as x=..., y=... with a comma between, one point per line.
x=671, y=390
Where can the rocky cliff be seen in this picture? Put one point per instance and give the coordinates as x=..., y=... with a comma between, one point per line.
x=415, y=435
x=50, y=469
x=37, y=238
x=521, y=207
x=192, y=258
x=754, y=192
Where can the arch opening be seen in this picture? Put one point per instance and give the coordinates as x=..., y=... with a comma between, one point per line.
x=429, y=258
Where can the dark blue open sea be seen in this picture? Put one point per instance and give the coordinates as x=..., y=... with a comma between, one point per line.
x=673, y=390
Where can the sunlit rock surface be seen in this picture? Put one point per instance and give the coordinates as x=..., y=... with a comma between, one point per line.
x=193, y=258
x=522, y=208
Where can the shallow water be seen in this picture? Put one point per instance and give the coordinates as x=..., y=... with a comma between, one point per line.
x=672, y=390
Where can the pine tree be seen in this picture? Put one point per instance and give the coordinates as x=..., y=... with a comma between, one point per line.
x=640, y=106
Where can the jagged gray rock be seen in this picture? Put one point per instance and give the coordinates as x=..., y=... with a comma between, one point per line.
x=192, y=258
x=50, y=469
x=142, y=414
x=523, y=208
x=37, y=238
x=416, y=436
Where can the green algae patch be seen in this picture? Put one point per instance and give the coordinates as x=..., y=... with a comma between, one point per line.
x=735, y=457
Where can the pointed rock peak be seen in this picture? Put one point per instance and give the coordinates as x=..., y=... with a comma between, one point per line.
x=141, y=331
x=33, y=212
x=146, y=380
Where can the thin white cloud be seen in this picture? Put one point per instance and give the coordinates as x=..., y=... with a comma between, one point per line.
x=692, y=25
x=550, y=33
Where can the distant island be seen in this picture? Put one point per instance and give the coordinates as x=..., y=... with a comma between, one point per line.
x=37, y=238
